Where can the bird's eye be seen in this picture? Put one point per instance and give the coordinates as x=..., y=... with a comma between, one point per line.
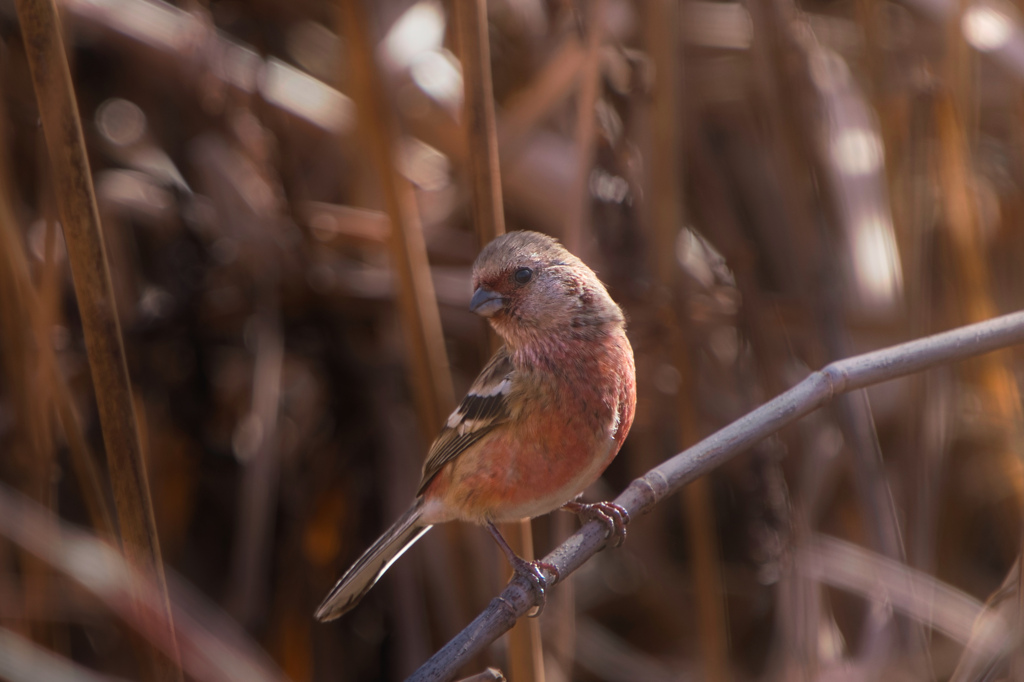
x=523, y=275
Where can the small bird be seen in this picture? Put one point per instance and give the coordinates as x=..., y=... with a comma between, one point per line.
x=542, y=421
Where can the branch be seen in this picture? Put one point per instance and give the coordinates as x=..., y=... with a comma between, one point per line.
x=642, y=494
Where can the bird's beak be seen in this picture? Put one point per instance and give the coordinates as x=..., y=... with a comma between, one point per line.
x=486, y=302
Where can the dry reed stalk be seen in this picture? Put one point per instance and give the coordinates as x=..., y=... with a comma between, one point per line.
x=252, y=557
x=800, y=614
x=956, y=177
x=906, y=134
x=478, y=119
x=51, y=79
x=527, y=108
x=959, y=67
x=587, y=96
x=797, y=100
x=766, y=342
x=997, y=387
x=31, y=444
x=666, y=210
x=83, y=462
x=32, y=455
x=525, y=650
x=45, y=314
x=421, y=321
x=31, y=448
x=525, y=653
x=40, y=308
x=412, y=631
x=810, y=100
x=417, y=302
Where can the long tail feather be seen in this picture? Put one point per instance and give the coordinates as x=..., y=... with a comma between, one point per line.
x=365, y=572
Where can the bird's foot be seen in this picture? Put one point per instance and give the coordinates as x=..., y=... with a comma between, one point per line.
x=614, y=516
x=532, y=571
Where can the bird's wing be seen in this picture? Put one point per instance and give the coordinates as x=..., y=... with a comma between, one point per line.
x=484, y=407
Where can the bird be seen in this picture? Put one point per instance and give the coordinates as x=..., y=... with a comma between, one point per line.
x=542, y=421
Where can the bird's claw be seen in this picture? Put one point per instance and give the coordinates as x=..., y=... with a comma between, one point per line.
x=614, y=516
x=531, y=570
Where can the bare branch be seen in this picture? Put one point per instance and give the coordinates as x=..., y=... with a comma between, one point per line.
x=642, y=494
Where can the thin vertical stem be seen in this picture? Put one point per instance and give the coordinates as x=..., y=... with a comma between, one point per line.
x=421, y=320
x=252, y=553
x=525, y=652
x=51, y=78
x=526, y=657
x=666, y=183
x=997, y=387
x=481, y=130
x=40, y=308
x=417, y=304
x=586, y=128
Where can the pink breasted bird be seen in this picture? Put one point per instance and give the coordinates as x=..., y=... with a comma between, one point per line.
x=542, y=421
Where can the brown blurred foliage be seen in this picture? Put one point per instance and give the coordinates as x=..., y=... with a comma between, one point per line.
x=764, y=187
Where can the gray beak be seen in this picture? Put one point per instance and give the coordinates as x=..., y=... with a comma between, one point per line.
x=486, y=302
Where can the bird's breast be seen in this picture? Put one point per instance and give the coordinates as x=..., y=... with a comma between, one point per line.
x=567, y=428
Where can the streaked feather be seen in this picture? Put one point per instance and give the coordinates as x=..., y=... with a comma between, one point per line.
x=484, y=407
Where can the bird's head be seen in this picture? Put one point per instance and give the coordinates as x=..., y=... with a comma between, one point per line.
x=528, y=285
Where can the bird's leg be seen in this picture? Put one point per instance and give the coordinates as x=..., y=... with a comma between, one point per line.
x=531, y=570
x=612, y=515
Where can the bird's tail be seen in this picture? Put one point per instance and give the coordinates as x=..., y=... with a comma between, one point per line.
x=365, y=572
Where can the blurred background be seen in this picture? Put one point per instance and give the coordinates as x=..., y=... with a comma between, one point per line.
x=764, y=187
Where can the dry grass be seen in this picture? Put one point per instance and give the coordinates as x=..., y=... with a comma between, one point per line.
x=765, y=188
